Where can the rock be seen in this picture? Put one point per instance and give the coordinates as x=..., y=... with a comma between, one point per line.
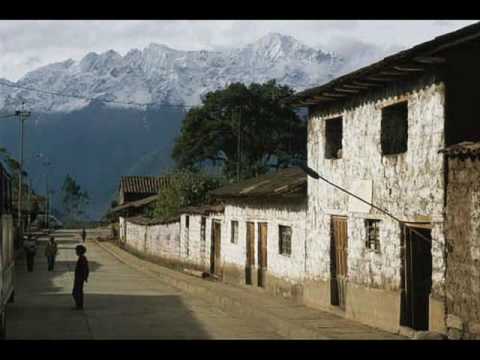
x=429, y=335
x=474, y=328
x=454, y=322
x=455, y=334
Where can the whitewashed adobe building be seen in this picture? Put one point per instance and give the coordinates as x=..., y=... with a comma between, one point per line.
x=263, y=233
x=377, y=132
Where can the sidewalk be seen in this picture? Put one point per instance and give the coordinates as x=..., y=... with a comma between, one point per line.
x=290, y=320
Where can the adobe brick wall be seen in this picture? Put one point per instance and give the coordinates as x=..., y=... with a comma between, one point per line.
x=463, y=244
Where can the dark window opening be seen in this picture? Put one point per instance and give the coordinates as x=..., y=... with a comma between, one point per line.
x=333, y=138
x=285, y=239
x=372, y=228
x=394, y=134
x=187, y=221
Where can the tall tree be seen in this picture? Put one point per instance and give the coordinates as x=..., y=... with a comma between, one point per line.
x=186, y=188
x=243, y=128
x=73, y=199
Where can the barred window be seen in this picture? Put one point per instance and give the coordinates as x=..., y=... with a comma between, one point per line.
x=285, y=239
x=234, y=237
x=372, y=230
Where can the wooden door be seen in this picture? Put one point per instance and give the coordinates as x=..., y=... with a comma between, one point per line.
x=250, y=251
x=338, y=260
x=262, y=253
x=418, y=275
x=215, y=248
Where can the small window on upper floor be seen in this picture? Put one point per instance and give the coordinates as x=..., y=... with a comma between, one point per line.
x=394, y=134
x=333, y=138
x=187, y=221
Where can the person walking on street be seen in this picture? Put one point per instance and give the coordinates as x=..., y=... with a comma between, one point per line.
x=84, y=235
x=30, y=248
x=81, y=276
x=51, y=251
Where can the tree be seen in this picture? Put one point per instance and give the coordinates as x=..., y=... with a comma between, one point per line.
x=73, y=199
x=187, y=188
x=270, y=136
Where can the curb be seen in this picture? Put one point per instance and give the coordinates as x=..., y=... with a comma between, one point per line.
x=283, y=327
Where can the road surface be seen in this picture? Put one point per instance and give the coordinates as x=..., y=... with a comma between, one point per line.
x=120, y=303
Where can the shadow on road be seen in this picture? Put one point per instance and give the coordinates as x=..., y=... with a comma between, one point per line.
x=43, y=304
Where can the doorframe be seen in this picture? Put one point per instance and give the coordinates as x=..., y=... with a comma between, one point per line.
x=249, y=244
x=215, y=262
x=262, y=270
x=334, y=286
x=407, y=310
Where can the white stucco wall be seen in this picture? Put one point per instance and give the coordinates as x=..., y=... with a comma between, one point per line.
x=162, y=240
x=408, y=185
x=289, y=268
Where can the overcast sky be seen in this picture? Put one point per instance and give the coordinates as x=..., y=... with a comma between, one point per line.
x=26, y=45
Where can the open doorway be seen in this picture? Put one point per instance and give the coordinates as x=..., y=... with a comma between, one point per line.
x=417, y=274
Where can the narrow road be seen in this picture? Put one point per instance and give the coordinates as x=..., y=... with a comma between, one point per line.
x=120, y=303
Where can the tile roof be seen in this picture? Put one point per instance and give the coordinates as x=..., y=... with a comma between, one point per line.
x=285, y=182
x=135, y=204
x=202, y=210
x=143, y=184
x=463, y=149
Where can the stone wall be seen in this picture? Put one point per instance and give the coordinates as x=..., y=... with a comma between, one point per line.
x=463, y=244
x=409, y=185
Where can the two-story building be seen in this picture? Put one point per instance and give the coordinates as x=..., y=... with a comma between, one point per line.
x=376, y=133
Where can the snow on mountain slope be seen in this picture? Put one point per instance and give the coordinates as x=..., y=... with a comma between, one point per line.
x=159, y=74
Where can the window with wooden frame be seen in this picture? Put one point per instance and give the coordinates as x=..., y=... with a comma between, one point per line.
x=333, y=138
x=372, y=240
x=394, y=128
x=234, y=232
x=285, y=240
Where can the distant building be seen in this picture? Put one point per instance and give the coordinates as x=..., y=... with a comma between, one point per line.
x=134, y=188
x=260, y=239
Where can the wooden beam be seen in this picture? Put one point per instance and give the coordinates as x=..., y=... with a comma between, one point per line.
x=334, y=95
x=347, y=90
x=429, y=60
x=379, y=78
x=323, y=98
x=408, y=68
x=392, y=73
x=360, y=87
x=367, y=84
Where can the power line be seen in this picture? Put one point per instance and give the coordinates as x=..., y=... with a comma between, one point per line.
x=93, y=99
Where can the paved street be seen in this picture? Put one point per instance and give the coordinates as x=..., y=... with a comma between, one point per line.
x=121, y=303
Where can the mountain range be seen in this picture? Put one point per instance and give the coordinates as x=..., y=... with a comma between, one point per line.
x=111, y=133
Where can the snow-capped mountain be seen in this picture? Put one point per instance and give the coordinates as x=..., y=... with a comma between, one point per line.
x=159, y=74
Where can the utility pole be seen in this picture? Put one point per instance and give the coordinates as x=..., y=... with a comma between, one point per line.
x=22, y=114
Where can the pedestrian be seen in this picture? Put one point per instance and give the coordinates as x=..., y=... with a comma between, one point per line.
x=81, y=276
x=84, y=235
x=51, y=251
x=30, y=248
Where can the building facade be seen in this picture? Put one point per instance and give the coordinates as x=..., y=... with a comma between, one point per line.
x=376, y=133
